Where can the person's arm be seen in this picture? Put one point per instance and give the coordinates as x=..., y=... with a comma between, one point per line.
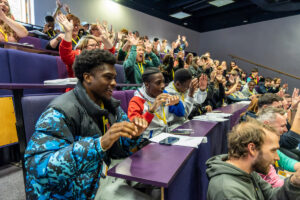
x=55, y=41
x=136, y=108
x=131, y=60
x=53, y=155
x=286, y=162
x=177, y=109
x=154, y=62
x=20, y=30
x=57, y=11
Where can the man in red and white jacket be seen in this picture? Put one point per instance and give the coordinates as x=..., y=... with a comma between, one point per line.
x=154, y=104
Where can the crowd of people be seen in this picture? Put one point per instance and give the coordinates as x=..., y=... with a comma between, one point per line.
x=84, y=130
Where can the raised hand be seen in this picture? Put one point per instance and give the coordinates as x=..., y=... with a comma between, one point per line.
x=67, y=8
x=295, y=98
x=59, y=4
x=203, y=82
x=178, y=38
x=117, y=130
x=193, y=87
x=67, y=25
x=183, y=38
x=148, y=46
x=160, y=99
x=132, y=40
x=141, y=124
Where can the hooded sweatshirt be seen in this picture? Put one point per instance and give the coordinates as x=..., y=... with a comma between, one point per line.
x=139, y=106
x=230, y=182
x=188, y=102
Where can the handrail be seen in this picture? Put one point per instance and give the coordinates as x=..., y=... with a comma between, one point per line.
x=263, y=66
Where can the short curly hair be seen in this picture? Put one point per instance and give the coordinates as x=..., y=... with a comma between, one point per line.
x=90, y=59
x=251, y=131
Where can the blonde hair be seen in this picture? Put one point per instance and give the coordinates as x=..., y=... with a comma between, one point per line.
x=83, y=42
x=6, y=28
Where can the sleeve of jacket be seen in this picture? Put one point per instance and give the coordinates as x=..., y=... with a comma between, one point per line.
x=178, y=109
x=288, y=191
x=66, y=53
x=136, y=108
x=286, y=162
x=155, y=62
x=53, y=155
x=289, y=140
x=127, y=144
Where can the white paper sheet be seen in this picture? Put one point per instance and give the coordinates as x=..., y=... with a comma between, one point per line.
x=186, y=141
x=65, y=81
x=207, y=118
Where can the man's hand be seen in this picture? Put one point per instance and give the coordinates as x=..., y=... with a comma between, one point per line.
x=296, y=178
x=173, y=100
x=208, y=108
x=183, y=38
x=162, y=98
x=141, y=124
x=193, y=87
x=117, y=130
x=203, y=82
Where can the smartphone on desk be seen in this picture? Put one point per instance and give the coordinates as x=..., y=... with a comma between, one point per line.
x=169, y=140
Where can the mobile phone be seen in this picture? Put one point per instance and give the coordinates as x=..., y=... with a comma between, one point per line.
x=169, y=140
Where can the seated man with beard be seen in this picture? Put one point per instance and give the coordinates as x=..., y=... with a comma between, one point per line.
x=252, y=148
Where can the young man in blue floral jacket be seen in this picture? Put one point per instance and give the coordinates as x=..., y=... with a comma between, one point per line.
x=78, y=132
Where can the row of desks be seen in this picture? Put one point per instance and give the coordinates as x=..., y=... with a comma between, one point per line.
x=180, y=171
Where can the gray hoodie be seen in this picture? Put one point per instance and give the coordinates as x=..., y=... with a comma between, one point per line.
x=230, y=182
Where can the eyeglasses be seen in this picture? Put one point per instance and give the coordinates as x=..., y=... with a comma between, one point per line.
x=93, y=45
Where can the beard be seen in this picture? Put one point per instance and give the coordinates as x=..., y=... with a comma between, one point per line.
x=261, y=165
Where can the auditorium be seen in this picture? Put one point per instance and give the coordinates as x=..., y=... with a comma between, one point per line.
x=149, y=99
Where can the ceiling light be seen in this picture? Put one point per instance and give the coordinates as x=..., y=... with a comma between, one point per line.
x=180, y=15
x=220, y=3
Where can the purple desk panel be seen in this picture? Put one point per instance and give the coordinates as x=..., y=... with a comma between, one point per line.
x=155, y=164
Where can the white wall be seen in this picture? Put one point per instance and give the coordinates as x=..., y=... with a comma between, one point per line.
x=120, y=17
x=274, y=43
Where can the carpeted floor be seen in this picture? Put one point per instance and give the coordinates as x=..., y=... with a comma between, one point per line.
x=11, y=183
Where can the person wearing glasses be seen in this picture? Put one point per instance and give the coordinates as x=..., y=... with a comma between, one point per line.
x=66, y=52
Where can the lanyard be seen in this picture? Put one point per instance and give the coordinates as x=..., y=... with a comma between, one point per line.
x=105, y=121
x=250, y=92
x=158, y=116
x=181, y=94
x=141, y=67
x=75, y=40
x=173, y=73
x=50, y=34
x=5, y=35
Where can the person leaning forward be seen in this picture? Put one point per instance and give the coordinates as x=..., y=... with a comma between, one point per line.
x=78, y=132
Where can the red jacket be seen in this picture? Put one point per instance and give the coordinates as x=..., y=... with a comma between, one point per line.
x=68, y=55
